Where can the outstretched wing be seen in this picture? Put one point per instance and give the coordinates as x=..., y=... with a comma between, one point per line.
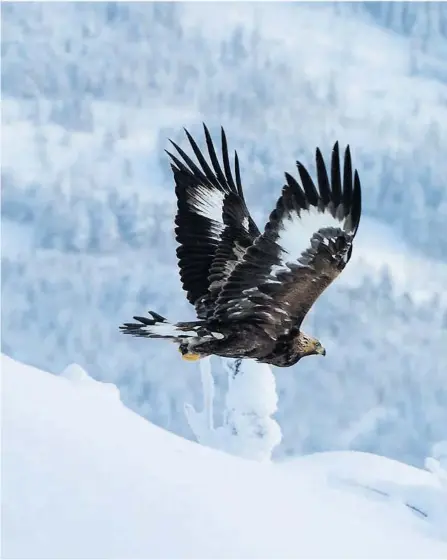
x=213, y=225
x=306, y=243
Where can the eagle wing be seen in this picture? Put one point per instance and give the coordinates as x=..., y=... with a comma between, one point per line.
x=213, y=225
x=306, y=243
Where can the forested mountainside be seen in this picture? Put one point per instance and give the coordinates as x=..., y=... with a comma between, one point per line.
x=90, y=94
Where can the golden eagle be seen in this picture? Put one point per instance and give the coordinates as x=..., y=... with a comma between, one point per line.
x=252, y=290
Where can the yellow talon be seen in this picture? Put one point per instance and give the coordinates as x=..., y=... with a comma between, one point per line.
x=190, y=357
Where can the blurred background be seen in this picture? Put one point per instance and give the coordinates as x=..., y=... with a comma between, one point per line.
x=90, y=94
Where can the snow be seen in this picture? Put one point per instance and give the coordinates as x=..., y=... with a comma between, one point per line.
x=377, y=246
x=88, y=199
x=84, y=477
x=82, y=148
x=247, y=430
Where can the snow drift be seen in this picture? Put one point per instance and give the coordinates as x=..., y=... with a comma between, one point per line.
x=84, y=477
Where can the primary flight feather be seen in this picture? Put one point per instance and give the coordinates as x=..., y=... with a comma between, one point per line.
x=252, y=290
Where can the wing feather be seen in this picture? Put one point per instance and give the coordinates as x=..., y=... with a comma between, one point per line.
x=305, y=245
x=336, y=183
x=213, y=225
x=323, y=180
x=226, y=177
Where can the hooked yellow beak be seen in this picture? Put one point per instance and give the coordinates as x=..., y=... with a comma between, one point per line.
x=321, y=350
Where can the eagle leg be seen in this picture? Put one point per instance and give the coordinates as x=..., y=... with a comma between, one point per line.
x=187, y=355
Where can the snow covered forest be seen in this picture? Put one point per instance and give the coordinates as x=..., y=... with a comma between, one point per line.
x=90, y=94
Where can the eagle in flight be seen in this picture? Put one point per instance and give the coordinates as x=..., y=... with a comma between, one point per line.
x=252, y=289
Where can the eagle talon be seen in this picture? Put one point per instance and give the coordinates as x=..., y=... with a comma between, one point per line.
x=186, y=355
x=190, y=356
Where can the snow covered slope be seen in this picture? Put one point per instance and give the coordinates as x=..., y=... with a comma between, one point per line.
x=84, y=477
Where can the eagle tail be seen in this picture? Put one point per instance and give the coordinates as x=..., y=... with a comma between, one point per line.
x=157, y=326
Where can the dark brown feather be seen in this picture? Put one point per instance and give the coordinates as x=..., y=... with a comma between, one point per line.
x=252, y=291
x=292, y=289
x=208, y=244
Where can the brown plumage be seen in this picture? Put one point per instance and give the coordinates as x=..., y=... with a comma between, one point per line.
x=252, y=290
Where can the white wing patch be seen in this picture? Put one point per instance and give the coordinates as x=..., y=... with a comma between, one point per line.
x=215, y=230
x=207, y=203
x=166, y=329
x=296, y=233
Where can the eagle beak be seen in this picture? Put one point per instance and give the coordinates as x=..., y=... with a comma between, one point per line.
x=321, y=350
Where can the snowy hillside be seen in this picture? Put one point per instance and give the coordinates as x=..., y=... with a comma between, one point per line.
x=85, y=477
x=90, y=94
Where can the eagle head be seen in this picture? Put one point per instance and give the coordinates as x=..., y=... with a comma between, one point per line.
x=308, y=345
